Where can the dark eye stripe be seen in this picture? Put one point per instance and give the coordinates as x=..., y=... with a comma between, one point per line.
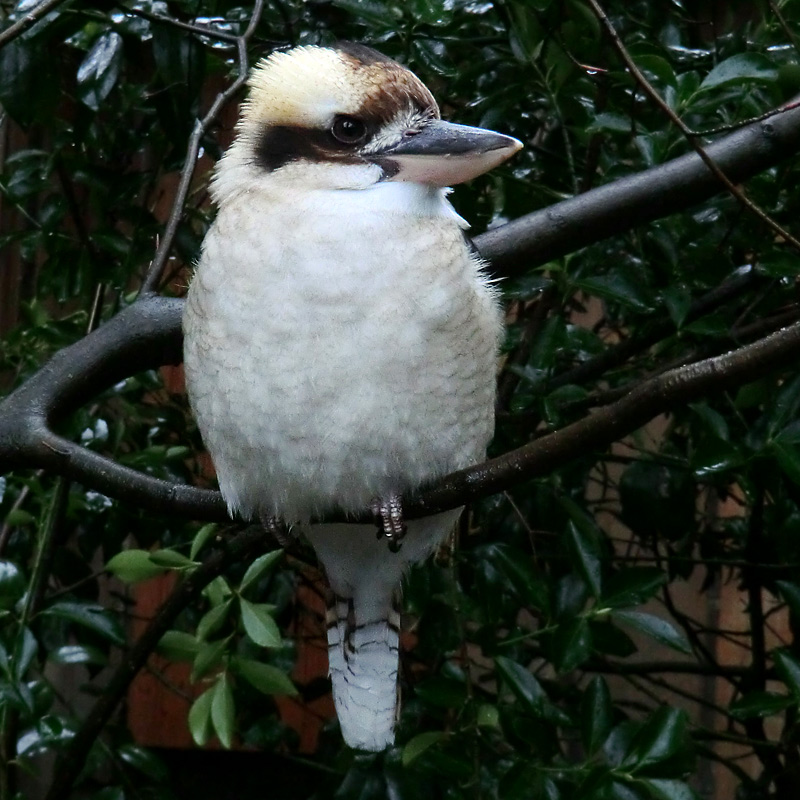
x=282, y=144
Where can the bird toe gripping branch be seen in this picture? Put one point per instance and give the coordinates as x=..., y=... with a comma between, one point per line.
x=388, y=514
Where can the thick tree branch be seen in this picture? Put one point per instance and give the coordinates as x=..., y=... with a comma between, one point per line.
x=147, y=335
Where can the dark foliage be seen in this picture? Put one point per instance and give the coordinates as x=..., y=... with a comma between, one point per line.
x=614, y=623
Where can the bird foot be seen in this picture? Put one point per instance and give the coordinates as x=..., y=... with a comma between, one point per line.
x=277, y=527
x=388, y=514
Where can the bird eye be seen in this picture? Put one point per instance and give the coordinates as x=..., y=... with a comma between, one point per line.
x=348, y=130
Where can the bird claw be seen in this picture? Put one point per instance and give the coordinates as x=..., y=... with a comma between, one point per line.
x=388, y=513
x=277, y=527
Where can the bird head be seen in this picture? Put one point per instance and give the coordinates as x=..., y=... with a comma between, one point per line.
x=348, y=117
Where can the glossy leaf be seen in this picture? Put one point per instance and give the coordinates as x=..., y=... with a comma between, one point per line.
x=655, y=627
x=89, y=615
x=12, y=584
x=132, y=566
x=596, y=715
x=740, y=68
x=171, y=559
x=200, y=717
x=179, y=646
x=264, y=677
x=632, y=587
x=661, y=737
x=259, y=624
x=584, y=546
x=760, y=704
x=419, y=744
x=788, y=667
x=522, y=684
x=208, y=657
x=223, y=711
x=78, y=654
x=212, y=620
x=259, y=567
x=572, y=644
x=99, y=70
x=201, y=538
x=670, y=790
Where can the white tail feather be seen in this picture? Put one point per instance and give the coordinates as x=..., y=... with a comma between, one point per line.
x=363, y=660
x=363, y=624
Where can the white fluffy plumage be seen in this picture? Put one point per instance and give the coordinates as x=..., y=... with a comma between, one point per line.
x=340, y=342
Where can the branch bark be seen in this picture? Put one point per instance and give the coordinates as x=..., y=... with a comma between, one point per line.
x=147, y=335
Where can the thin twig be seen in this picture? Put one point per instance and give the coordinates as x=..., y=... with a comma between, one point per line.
x=210, y=32
x=242, y=546
x=23, y=23
x=691, y=137
x=153, y=277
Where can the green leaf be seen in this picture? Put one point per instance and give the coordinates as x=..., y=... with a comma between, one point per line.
x=656, y=67
x=377, y=13
x=264, y=677
x=171, y=559
x=134, y=565
x=201, y=537
x=678, y=300
x=738, y=69
x=659, y=629
x=212, y=620
x=791, y=595
x=143, y=760
x=223, y=711
x=179, y=646
x=610, y=122
x=49, y=732
x=572, y=644
x=522, y=684
x=788, y=667
x=200, y=717
x=596, y=715
x=217, y=591
x=99, y=70
x=583, y=543
x=760, y=704
x=419, y=744
x=442, y=692
x=26, y=651
x=27, y=70
x=714, y=455
x=259, y=624
x=259, y=567
x=617, y=288
x=12, y=584
x=487, y=716
x=632, y=587
x=669, y=790
x=208, y=657
x=78, y=654
x=89, y=615
x=515, y=566
x=661, y=737
x=788, y=457
x=712, y=421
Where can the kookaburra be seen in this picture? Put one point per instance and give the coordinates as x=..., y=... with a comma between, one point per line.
x=341, y=337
